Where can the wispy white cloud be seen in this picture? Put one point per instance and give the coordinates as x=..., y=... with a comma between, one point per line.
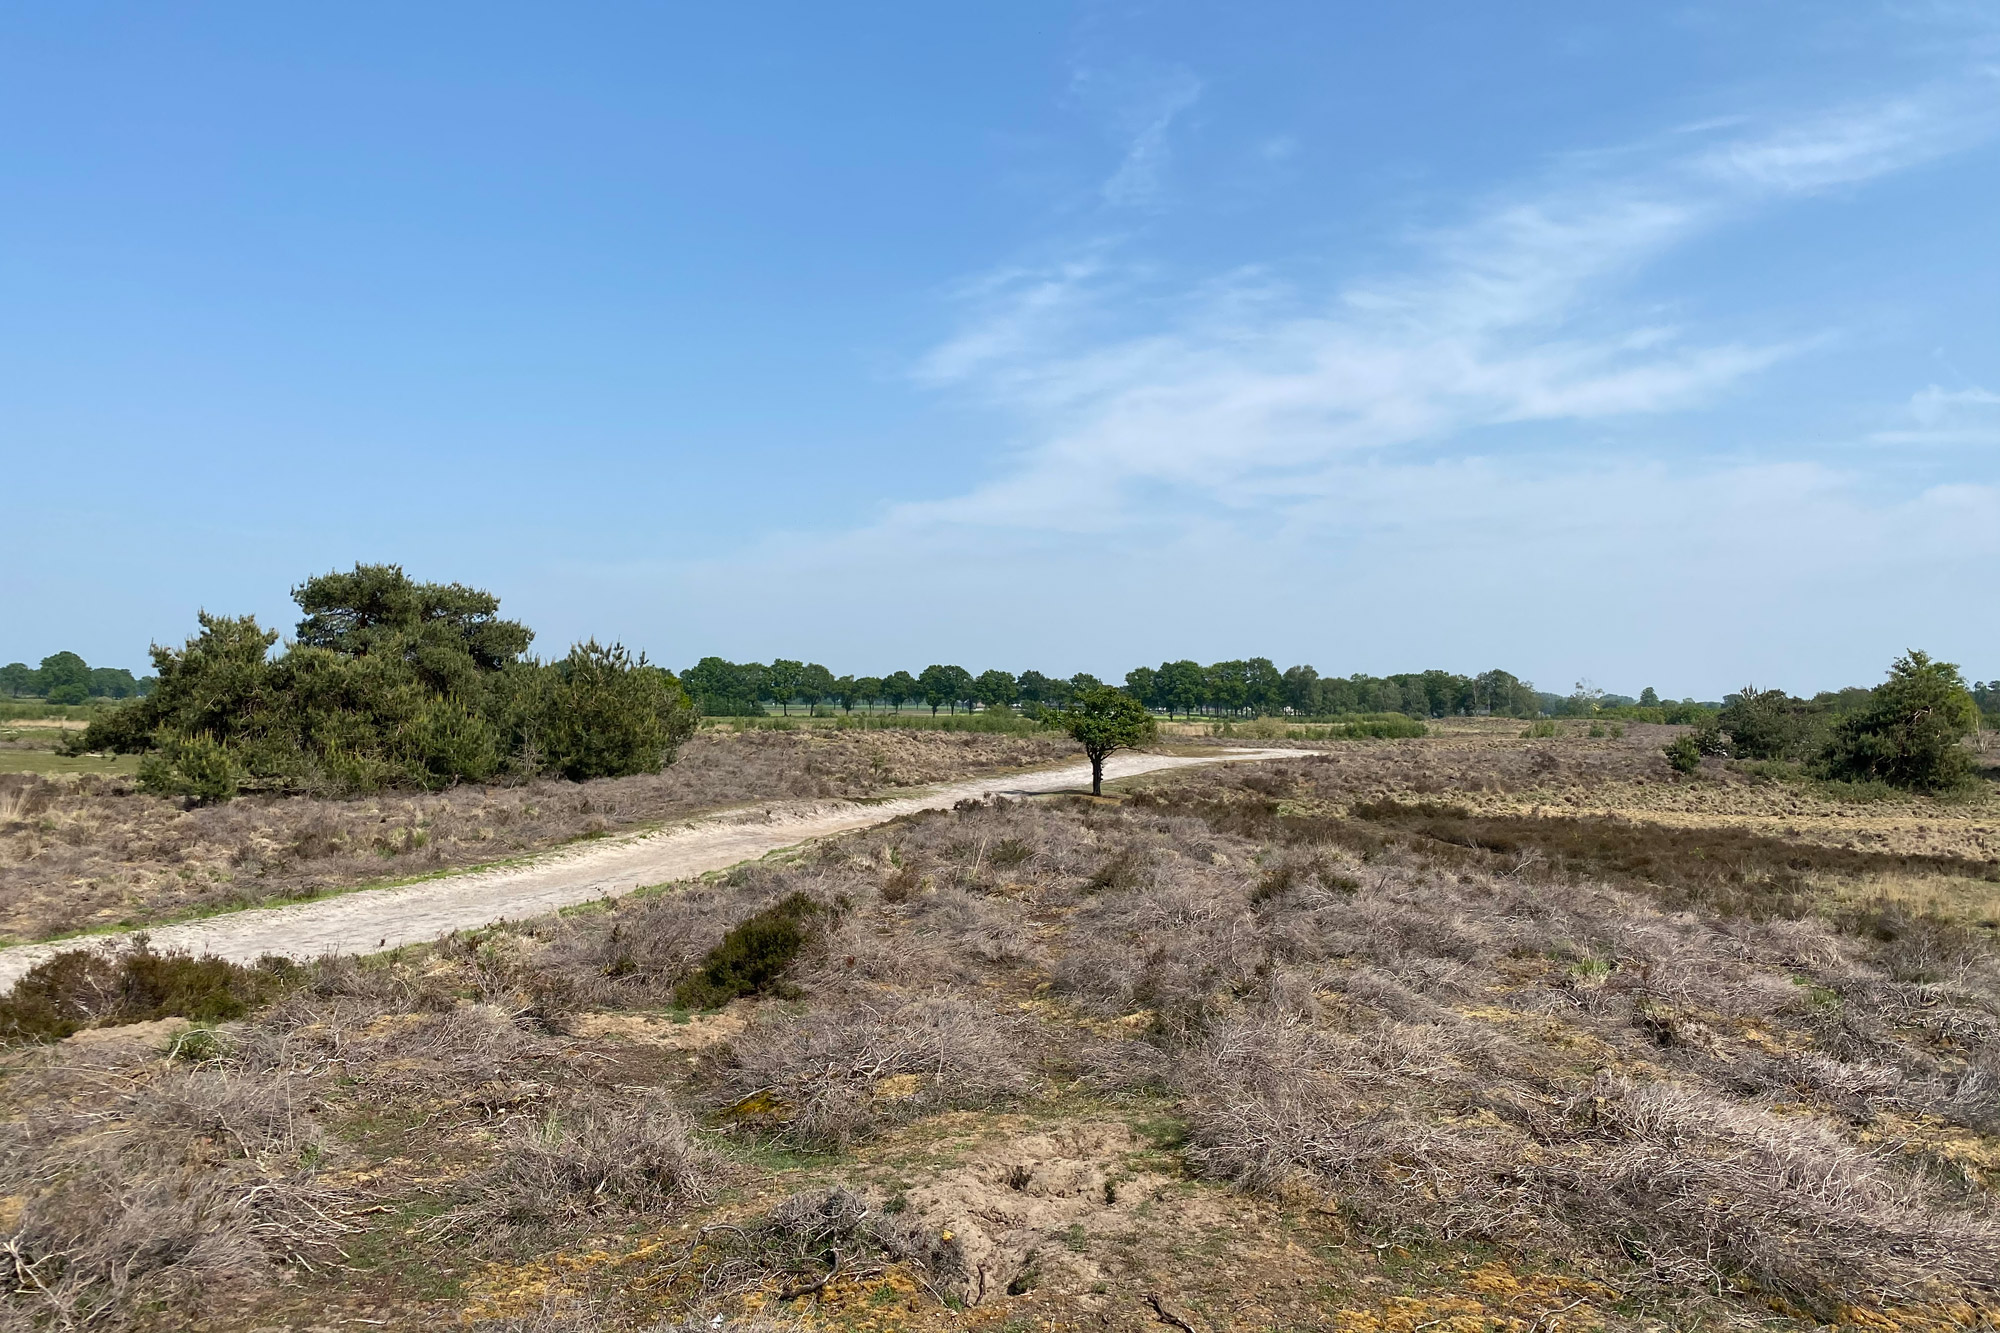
x=1857, y=143
x=1141, y=103
x=1932, y=405
x=1948, y=417
x=1294, y=459
x=1242, y=388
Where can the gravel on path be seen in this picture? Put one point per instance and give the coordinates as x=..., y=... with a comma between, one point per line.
x=370, y=920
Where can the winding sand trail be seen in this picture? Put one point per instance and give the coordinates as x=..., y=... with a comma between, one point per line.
x=369, y=920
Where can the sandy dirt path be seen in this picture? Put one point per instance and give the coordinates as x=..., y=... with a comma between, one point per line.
x=368, y=920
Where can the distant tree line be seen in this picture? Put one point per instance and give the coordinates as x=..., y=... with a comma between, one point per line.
x=1237, y=688
x=65, y=678
x=389, y=683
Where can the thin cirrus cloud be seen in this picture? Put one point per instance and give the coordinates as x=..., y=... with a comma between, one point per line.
x=1140, y=102
x=1250, y=386
x=1270, y=447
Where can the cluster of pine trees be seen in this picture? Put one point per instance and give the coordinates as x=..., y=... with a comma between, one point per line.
x=389, y=683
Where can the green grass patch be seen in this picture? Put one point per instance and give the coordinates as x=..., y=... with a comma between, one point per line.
x=48, y=763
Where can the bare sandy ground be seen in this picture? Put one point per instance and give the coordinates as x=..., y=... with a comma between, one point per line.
x=370, y=920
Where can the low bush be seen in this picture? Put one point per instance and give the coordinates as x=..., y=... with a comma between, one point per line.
x=1694, y=1187
x=752, y=958
x=846, y=1068
x=808, y=1240
x=639, y=1158
x=80, y=988
x=147, y=1191
x=1381, y=729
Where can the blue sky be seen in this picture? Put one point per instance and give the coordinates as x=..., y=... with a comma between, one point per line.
x=1643, y=344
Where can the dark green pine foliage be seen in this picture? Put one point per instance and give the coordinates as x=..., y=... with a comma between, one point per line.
x=390, y=683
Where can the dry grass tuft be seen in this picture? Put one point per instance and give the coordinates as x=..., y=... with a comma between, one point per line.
x=157, y=1187
x=590, y=1160
x=845, y=1069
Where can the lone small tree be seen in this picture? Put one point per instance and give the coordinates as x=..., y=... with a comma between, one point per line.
x=1102, y=720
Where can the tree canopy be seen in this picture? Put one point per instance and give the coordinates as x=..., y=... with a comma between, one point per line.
x=1909, y=733
x=1103, y=720
x=391, y=683
x=65, y=678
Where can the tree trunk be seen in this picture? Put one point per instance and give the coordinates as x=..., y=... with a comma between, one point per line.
x=1097, y=775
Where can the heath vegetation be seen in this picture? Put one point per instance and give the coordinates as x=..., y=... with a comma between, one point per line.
x=1489, y=1009
x=1409, y=1033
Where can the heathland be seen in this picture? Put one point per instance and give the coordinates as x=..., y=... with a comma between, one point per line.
x=1477, y=1030
x=1453, y=1005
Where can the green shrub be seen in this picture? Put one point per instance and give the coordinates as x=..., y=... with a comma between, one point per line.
x=1684, y=753
x=391, y=683
x=1770, y=770
x=198, y=766
x=752, y=957
x=80, y=988
x=606, y=714
x=1770, y=724
x=1910, y=733
x=1541, y=730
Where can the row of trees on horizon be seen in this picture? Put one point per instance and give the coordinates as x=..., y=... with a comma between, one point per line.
x=1239, y=687
x=1252, y=686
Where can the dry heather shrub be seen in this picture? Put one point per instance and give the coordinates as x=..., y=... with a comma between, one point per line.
x=1695, y=1188
x=972, y=926
x=640, y=950
x=643, y=951
x=851, y=1064
x=157, y=1192
x=79, y=988
x=388, y=1053
x=1707, y=1188
x=800, y=1246
x=639, y=1158
x=1176, y=947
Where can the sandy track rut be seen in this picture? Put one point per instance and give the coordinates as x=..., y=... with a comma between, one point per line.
x=368, y=920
